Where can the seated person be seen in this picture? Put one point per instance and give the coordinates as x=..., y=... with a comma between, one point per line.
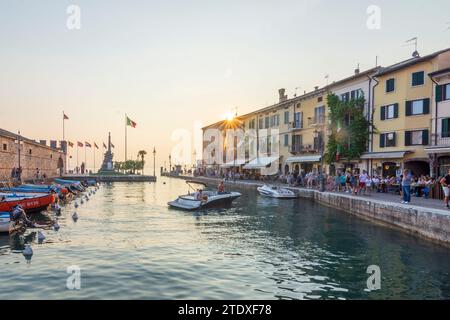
x=201, y=196
x=221, y=188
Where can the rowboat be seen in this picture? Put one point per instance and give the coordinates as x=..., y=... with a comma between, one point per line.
x=30, y=204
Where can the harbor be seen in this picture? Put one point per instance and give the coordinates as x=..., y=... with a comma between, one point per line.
x=128, y=244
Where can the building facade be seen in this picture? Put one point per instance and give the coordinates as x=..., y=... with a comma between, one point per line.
x=33, y=155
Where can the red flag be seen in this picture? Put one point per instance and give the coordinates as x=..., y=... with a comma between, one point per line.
x=87, y=144
x=95, y=145
x=80, y=144
x=70, y=144
x=131, y=123
x=65, y=117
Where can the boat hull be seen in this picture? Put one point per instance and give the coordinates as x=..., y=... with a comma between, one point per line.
x=4, y=222
x=30, y=205
x=277, y=193
x=188, y=203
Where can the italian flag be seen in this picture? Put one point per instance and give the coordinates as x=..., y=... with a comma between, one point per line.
x=131, y=123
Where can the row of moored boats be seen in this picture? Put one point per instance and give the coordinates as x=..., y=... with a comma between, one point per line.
x=19, y=202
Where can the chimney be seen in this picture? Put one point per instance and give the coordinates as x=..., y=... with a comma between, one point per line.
x=282, y=93
x=357, y=69
x=43, y=142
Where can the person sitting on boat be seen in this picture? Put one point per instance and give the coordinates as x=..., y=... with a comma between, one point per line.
x=18, y=215
x=221, y=188
x=201, y=196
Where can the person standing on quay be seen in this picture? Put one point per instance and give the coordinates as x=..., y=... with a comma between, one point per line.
x=406, y=186
x=445, y=182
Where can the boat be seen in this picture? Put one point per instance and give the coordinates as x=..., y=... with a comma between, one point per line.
x=213, y=199
x=277, y=192
x=4, y=222
x=31, y=204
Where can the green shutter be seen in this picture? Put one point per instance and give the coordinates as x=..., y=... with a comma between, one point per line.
x=408, y=108
x=394, y=139
x=426, y=106
x=382, y=140
x=408, y=141
x=396, y=110
x=383, y=113
x=425, y=137
x=445, y=127
x=439, y=95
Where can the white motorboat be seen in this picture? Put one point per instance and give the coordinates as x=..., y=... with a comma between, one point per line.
x=277, y=192
x=212, y=199
x=4, y=222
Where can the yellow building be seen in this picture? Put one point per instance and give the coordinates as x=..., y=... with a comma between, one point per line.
x=402, y=116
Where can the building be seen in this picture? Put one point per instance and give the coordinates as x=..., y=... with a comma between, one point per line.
x=402, y=115
x=33, y=155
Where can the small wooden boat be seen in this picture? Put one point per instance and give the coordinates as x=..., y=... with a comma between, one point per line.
x=29, y=204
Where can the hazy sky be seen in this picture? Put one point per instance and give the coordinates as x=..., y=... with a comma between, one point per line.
x=170, y=63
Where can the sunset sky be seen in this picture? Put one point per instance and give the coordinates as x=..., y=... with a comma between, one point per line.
x=168, y=64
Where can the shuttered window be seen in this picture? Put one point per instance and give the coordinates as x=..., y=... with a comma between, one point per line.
x=445, y=128
x=417, y=138
x=286, y=117
x=417, y=107
x=389, y=112
x=388, y=140
x=418, y=78
x=390, y=85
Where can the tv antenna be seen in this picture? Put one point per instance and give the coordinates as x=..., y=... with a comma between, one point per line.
x=414, y=41
x=327, y=76
x=295, y=94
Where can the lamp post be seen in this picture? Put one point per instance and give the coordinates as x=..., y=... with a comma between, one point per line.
x=154, y=161
x=170, y=164
x=319, y=138
x=195, y=162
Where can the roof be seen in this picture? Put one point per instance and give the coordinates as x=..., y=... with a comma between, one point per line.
x=409, y=62
x=15, y=136
x=439, y=72
x=353, y=77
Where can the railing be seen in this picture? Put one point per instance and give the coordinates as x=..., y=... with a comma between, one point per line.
x=442, y=139
x=319, y=120
x=301, y=149
x=296, y=125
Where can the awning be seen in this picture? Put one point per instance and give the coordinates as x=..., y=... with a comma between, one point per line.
x=304, y=159
x=384, y=155
x=438, y=150
x=234, y=163
x=260, y=163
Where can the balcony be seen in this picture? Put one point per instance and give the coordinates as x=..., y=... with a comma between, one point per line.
x=296, y=125
x=442, y=139
x=302, y=149
x=316, y=121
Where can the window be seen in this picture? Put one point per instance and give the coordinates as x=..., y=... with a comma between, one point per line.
x=356, y=94
x=251, y=124
x=266, y=122
x=286, y=117
x=319, y=99
x=416, y=138
x=443, y=92
x=390, y=85
x=447, y=91
x=418, y=78
x=298, y=120
x=417, y=107
x=345, y=97
x=274, y=120
x=389, y=112
x=296, y=143
x=261, y=124
x=5, y=147
x=286, y=140
x=319, y=114
x=30, y=152
x=388, y=140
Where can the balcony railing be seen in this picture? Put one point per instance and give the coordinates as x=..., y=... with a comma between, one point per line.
x=319, y=120
x=301, y=149
x=296, y=125
x=442, y=139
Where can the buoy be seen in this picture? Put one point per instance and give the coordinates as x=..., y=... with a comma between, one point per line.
x=75, y=216
x=40, y=237
x=56, y=226
x=27, y=252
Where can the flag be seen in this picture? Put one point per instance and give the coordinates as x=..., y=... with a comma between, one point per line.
x=87, y=144
x=80, y=144
x=104, y=146
x=131, y=123
x=65, y=117
x=70, y=144
x=95, y=145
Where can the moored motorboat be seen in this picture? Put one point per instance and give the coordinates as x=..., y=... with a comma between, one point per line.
x=277, y=192
x=210, y=199
x=4, y=222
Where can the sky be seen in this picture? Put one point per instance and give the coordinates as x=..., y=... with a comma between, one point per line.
x=174, y=66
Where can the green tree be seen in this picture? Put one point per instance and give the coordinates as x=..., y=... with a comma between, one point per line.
x=349, y=129
x=142, y=154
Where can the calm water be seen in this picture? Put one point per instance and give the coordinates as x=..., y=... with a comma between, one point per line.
x=129, y=245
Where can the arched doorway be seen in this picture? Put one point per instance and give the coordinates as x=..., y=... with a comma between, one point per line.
x=418, y=167
x=390, y=169
x=297, y=169
x=286, y=169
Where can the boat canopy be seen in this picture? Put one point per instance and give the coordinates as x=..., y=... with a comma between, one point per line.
x=304, y=159
x=260, y=163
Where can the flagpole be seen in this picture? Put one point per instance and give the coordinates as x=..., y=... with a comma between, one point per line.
x=85, y=158
x=125, y=137
x=64, y=139
x=94, y=157
x=77, y=157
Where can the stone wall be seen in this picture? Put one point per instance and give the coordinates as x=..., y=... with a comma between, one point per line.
x=32, y=155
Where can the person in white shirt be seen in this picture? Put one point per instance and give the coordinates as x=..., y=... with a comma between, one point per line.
x=362, y=181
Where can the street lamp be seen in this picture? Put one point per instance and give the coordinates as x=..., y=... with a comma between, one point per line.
x=319, y=138
x=170, y=164
x=154, y=162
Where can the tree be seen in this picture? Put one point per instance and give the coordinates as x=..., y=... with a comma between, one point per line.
x=142, y=155
x=349, y=129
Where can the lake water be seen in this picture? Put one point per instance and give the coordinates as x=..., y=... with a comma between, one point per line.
x=129, y=245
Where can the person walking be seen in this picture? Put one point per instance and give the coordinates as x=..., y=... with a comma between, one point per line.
x=406, y=186
x=445, y=183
